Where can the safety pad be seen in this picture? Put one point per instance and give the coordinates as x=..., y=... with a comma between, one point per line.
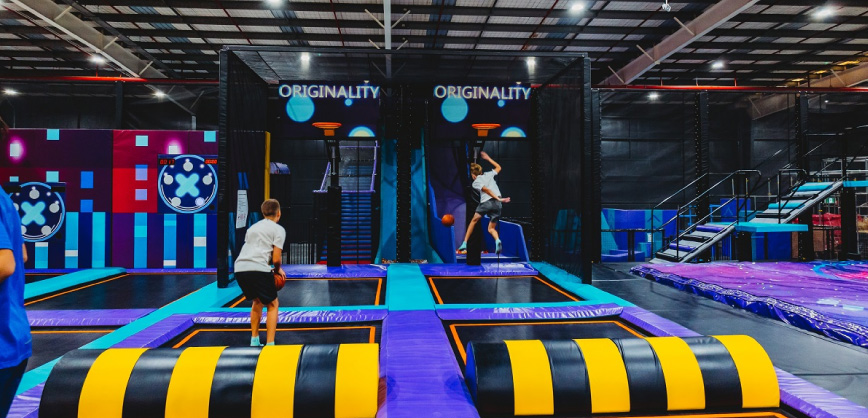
x=528, y=313
x=339, y=381
x=487, y=269
x=85, y=318
x=159, y=333
x=297, y=317
x=330, y=291
x=423, y=378
x=322, y=271
x=56, y=284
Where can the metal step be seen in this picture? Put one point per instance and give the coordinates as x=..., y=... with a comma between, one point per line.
x=666, y=256
x=696, y=237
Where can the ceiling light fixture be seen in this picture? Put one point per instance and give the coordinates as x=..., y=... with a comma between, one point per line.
x=666, y=7
x=717, y=65
x=654, y=95
x=531, y=61
x=10, y=92
x=97, y=59
x=824, y=12
x=305, y=57
x=577, y=7
x=274, y=3
x=159, y=94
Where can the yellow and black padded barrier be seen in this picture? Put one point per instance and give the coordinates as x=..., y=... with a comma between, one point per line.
x=324, y=380
x=635, y=376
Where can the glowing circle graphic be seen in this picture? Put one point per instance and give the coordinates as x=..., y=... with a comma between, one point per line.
x=41, y=210
x=300, y=108
x=513, y=132
x=454, y=109
x=362, y=132
x=189, y=185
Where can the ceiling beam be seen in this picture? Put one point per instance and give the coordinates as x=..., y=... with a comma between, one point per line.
x=772, y=104
x=713, y=17
x=58, y=17
x=457, y=26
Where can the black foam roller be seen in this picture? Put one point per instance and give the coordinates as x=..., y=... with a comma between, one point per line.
x=146, y=392
x=62, y=389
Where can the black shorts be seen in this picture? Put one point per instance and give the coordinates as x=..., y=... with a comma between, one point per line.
x=492, y=208
x=257, y=285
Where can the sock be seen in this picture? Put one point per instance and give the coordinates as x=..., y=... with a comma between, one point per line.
x=254, y=342
x=499, y=246
x=271, y=343
x=463, y=246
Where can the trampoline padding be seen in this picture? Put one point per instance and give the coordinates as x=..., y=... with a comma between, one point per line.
x=655, y=375
x=328, y=380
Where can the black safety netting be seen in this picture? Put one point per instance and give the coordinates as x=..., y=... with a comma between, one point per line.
x=242, y=147
x=565, y=192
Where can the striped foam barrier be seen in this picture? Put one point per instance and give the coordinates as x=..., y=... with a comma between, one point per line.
x=599, y=376
x=323, y=380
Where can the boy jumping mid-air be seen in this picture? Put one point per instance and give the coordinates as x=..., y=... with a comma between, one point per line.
x=263, y=246
x=490, y=202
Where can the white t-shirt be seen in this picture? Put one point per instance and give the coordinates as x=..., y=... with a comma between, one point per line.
x=486, y=180
x=259, y=243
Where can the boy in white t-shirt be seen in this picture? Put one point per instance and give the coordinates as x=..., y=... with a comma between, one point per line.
x=490, y=202
x=254, y=273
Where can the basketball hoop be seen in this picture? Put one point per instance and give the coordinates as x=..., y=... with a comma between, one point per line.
x=328, y=128
x=483, y=128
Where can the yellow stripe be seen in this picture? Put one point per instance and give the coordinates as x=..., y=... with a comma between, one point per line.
x=274, y=382
x=190, y=385
x=607, y=376
x=759, y=383
x=357, y=380
x=531, y=378
x=102, y=394
x=685, y=389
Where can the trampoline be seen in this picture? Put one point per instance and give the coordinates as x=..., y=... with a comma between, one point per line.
x=126, y=291
x=311, y=292
x=50, y=343
x=496, y=289
x=210, y=335
x=462, y=332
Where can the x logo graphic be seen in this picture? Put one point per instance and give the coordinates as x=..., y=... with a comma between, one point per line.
x=32, y=213
x=187, y=185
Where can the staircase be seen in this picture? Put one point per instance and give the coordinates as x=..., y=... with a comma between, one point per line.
x=356, y=229
x=700, y=237
x=357, y=174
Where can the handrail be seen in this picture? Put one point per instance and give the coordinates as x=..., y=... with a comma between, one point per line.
x=325, y=176
x=680, y=191
x=708, y=191
x=700, y=221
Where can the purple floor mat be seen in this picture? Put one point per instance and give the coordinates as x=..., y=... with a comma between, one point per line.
x=85, y=318
x=829, y=298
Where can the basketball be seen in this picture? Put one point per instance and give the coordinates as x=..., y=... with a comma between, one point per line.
x=279, y=281
x=447, y=220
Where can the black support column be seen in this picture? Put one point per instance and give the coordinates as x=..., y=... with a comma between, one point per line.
x=806, y=239
x=701, y=165
x=333, y=231
x=847, y=202
x=224, y=200
x=591, y=207
x=404, y=154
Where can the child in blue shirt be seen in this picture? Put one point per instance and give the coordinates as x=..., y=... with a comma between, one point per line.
x=15, y=344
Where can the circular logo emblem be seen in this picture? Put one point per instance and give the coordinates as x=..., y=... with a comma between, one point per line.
x=41, y=211
x=189, y=185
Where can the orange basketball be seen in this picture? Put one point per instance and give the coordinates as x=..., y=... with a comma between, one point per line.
x=279, y=281
x=448, y=220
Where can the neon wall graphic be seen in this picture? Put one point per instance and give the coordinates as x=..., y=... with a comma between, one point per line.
x=91, y=198
x=355, y=106
x=455, y=109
